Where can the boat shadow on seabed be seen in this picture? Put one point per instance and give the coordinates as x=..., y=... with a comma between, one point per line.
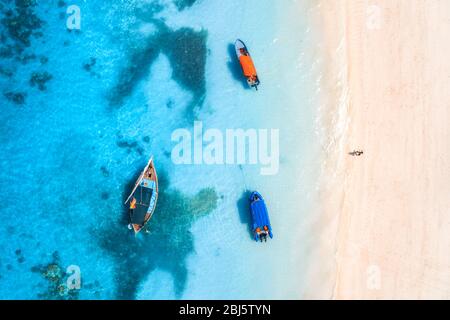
x=243, y=206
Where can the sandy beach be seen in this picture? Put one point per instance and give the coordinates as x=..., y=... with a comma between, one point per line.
x=386, y=214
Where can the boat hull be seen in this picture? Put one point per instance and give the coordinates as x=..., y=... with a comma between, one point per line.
x=247, y=65
x=142, y=200
x=239, y=45
x=260, y=215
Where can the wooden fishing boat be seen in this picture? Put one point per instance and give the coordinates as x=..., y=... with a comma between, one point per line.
x=143, y=198
x=248, y=68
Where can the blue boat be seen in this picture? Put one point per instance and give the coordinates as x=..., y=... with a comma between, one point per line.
x=261, y=223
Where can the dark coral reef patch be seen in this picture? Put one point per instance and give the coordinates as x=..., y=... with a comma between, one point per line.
x=56, y=281
x=183, y=4
x=16, y=97
x=21, y=24
x=187, y=52
x=40, y=79
x=167, y=245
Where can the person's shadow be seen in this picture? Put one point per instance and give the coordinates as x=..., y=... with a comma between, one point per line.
x=243, y=205
x=235, y=67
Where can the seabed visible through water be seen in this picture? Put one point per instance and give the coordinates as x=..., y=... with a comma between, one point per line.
x=83, y=110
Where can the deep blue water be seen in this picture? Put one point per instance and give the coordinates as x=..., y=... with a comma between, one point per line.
x=82, y=111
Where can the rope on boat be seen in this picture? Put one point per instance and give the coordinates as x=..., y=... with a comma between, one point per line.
x=244, y=178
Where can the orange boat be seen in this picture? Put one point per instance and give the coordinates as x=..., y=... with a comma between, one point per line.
x=248, y=68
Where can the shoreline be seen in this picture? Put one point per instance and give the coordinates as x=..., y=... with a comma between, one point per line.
x=384, y=216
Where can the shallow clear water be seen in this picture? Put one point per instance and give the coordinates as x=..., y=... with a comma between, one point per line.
x=104, y=99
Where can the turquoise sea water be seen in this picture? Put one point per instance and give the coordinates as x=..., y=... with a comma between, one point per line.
x=82, y=111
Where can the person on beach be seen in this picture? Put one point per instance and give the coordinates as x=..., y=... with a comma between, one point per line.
x=356, y=153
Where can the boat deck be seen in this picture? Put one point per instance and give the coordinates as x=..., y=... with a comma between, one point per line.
x=143, y=196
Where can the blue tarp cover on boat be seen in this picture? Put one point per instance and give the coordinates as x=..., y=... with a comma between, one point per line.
x=260, y=216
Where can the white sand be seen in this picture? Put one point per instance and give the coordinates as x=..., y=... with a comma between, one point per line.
x=386, y=233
